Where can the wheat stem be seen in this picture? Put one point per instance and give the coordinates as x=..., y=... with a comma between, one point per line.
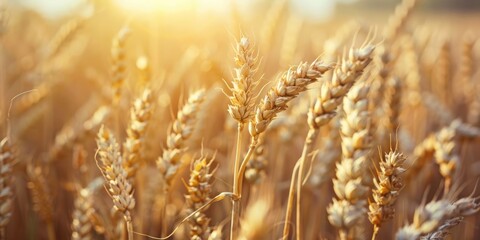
x=291, y=194
x=128, y=220
x=235, y=204
x=309, y=143
x=50, y=231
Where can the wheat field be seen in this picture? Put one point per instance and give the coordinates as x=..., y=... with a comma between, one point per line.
x=242, y=123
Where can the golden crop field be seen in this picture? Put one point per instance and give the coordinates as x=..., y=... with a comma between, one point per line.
x=242, y=120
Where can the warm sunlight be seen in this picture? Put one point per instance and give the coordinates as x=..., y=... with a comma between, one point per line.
x=148, y=6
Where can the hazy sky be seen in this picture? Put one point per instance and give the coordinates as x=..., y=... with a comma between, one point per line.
x=310, y=9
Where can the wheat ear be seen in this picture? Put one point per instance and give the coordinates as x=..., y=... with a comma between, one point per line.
x=446, y=154
x=398, y=20
x=243, y=86
x=82, y=227
x=350, y=184
x=64, y=35
x=430, y=218
x=7, y=161
x=199, y=189
x=140, y=114
x=119, y=188
x=388, y=185
x=181, y=130
x=291, y=83
x=258, y=220
x=119, y=65
x=42, y=198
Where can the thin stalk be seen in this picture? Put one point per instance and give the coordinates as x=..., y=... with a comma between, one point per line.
x=128, y=220
x=375, y=232
x=243, y=167
x=343, y=234
x=297, y=180
x=448, y=183
x=291, y=194
x=236, y=204
x=50, y=231
x=309, y=142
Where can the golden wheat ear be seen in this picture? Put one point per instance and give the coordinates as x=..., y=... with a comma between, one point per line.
x=199, y=189
x=180, y=132
x=436, y=218
x=388, y=185
x=118, y=186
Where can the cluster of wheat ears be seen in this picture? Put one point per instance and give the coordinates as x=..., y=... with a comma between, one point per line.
x=373, y=138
